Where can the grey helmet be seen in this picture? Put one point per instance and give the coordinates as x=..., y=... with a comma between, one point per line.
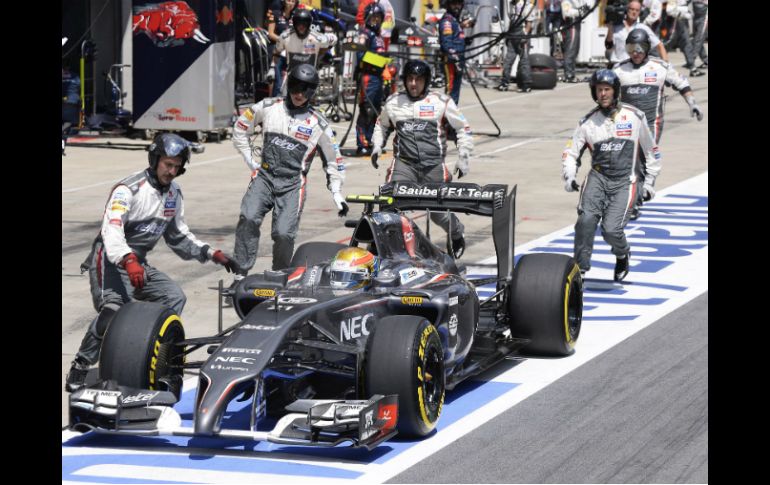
x=169, y=145
x=302, y=78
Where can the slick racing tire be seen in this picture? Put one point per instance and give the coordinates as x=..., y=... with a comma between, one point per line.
x=543, y=71
x=315, y=252
x=404, y=356
x=545, y=303
x=138, y=348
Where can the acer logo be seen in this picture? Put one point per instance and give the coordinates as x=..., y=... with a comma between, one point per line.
x=281, y=143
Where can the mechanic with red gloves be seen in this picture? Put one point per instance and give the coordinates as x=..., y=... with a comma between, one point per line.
x=141, y=208
x=421, y=120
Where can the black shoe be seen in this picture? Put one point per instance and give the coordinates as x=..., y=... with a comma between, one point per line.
x=571, y=80
x=696, y=73
x=458, y=247
x=76, y=378
x=363, y=151
x=705, y=65
x=635, y=213
x=621, y=267
x=525, y=90
x=502, y=87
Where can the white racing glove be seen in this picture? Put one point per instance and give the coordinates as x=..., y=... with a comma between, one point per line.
x=648, y=192
x=694, y=108
x=270, y=77
x=376, y=152
x=462, y=167
x=342, y=206
x=570, y=185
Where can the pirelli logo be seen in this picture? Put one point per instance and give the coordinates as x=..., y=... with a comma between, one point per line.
x=264, y=292
x=411, y=300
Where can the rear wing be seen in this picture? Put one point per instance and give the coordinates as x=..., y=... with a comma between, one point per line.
x=492, y=200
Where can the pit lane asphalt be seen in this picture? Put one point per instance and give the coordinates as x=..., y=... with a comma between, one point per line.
x=636, y=414
x=535, y=128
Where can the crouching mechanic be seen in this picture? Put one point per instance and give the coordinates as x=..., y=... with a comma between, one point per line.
x=420, y=119
x=292, y=131
x=642, y=82
x=614, y=133
x=141, y=208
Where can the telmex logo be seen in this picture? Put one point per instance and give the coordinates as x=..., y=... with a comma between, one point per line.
x=411, y=300
x=267, y=292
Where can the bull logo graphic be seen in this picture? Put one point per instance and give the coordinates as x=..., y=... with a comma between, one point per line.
x=168, y=24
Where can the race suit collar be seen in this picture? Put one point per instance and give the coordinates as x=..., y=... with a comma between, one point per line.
x=153, y=179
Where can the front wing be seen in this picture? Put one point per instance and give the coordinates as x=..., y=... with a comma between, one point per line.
x=130, y=411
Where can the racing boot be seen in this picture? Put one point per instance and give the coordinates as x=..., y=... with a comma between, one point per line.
x=76, y=378
x=635, y=213
x=503, y=86
x=621, y=267
x=458, y=246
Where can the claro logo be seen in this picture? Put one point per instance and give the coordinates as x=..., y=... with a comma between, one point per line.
x=610, y=147
x=354, y=327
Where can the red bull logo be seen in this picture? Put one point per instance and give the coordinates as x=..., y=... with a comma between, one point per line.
x=169, y=24
x=224, y=16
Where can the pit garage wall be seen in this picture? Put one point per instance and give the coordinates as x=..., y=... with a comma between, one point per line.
x=180, y=83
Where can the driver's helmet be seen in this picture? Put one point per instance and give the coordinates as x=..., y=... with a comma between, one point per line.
x=353, y=268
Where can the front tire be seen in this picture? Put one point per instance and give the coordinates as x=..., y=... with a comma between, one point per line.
x=545, y=303
x=405, y=357
x=138, y=349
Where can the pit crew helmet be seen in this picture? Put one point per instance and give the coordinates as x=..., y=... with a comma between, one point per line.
x=353, y=268
x=418, y=68
x=370, y=11
x=605, y=76
x=169, y=145
x=302, y=16
x=302, y=78
x=638, y=40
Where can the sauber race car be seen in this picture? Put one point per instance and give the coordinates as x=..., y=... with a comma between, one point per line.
x=339, y=366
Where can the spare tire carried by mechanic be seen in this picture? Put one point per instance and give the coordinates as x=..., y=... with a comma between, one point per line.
x=543, y=71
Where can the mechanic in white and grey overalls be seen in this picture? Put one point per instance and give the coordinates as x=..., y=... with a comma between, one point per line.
x=613, y=133
x=141, y=209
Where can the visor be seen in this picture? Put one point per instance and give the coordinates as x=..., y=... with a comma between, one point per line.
x=638, y=48
x=299, y=87
x=348, y=277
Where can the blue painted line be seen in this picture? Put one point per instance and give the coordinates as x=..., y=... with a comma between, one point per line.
x=70, y=464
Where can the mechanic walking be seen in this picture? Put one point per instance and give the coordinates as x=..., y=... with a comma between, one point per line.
x=451, y=38
x=615, y=41
x=421, y=119
x=522, y=14
x=572, y=12
x=141, y=208
x=278, y=21
x=292, y=131
x=642, y=79
x=613, y=133
x=370, y=94
x=300, y=43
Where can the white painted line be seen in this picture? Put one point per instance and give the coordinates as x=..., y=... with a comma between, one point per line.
x=508, y=147
x=111, y=182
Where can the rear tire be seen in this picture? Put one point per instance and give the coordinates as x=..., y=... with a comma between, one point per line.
x=543, y=71
x=315, y=252
x=545, y=303
x=404, y=356
x=136, y=351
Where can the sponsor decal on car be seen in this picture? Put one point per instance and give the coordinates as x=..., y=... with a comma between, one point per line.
x=141, y=397
x=234, y=359
x=354, y=327
x=410, y=274
x=452, y=325
x=234, y=350
x=264, y=292
x=248, y=326
x=411, y=300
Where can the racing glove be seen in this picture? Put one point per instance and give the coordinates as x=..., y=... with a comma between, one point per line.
x=570, y=185
x=462, y=167
x=694, y=108
x=270, y=75
x=341, y=204
x=376, y=152
x=648, y=192
x=221, y=258
x=134, y=269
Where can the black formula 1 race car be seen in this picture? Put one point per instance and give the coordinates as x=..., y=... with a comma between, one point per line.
x=333, y=366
